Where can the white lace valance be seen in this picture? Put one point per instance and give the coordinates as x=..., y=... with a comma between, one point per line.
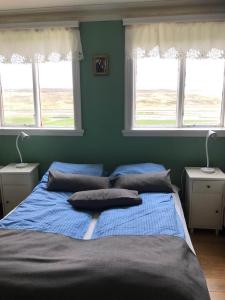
x=174, y=39
x=42, y=44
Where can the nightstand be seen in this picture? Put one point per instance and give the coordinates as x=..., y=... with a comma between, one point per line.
x=17, y=184
x=204, y=199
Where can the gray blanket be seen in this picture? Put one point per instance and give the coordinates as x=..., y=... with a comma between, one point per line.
x=36, y=265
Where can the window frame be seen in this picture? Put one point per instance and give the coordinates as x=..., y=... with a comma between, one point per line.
x=129, y=92
x=75, y=64
x=180, y=130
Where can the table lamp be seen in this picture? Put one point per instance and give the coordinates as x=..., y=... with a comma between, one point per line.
x=207, y=169
x=23, y=135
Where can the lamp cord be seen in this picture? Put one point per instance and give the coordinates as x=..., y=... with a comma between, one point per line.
x=182, y=184
x=207, y=152
x=17, y=147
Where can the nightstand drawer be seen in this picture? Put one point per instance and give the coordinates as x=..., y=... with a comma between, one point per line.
x=206, y=211
x=8, y=206
x=13, y=195
x=16, y=184
x=14, y=179
x=207, y=186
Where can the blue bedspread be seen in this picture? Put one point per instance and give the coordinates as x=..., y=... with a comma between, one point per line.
x=50, y=212
x=155, y=216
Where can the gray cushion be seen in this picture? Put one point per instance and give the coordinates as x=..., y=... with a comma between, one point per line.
x=68, y=182
x=158, y=182
x=104, y=198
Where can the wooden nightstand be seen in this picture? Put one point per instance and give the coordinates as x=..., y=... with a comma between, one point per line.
x=204, y=199
x=17, y=184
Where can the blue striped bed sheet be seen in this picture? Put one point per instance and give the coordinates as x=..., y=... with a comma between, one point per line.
x=156, y=215
x=48, y=212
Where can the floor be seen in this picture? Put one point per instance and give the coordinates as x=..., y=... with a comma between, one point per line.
x=210, y=250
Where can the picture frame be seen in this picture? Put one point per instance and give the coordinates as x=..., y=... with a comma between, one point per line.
x=101, y=64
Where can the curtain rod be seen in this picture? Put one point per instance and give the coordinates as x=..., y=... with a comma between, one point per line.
x=27, y=25
x=175, y=18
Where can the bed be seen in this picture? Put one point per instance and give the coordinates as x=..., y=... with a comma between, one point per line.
x=50, y=250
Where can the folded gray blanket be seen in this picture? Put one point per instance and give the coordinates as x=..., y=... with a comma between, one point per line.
x=37, y=265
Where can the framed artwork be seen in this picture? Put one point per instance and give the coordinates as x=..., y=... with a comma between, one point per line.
x=101, y=64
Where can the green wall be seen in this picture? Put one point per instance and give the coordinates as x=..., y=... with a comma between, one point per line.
x=102, y=114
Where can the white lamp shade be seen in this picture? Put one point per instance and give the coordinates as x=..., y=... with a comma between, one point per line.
x=211, y=133
x=24, y=134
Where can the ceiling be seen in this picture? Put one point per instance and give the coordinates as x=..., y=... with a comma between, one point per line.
x=18, y=6
x=32, y=4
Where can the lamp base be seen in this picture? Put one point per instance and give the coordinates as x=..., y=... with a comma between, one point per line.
x=21, y=165
x=208, y=170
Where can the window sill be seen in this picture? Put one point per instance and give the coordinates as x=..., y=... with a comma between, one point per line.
x=42, y=131
x=173, y=132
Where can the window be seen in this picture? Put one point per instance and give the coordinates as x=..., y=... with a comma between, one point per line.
x=38, y=95
x=39, y=80
x=158, y=93
x=174, y=76
x=203, y=92
x=17, y=95
x=56, y=94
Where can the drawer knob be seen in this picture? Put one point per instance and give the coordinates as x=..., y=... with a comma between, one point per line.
x=217, y=211
x=208, y=186
x=7, y=202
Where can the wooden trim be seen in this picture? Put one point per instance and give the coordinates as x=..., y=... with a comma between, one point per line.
x=77, y=95
x=1, y=104
x=105, y=12
x=42, y=131
x=27, y=25
x=36, y=95
x=180, y=92
x=173, y=131
x=175, y=18
x=222, y=114
x=129, y=94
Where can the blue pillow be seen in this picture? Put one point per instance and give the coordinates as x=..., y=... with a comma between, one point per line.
x=85, y=169
x=137, y=169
